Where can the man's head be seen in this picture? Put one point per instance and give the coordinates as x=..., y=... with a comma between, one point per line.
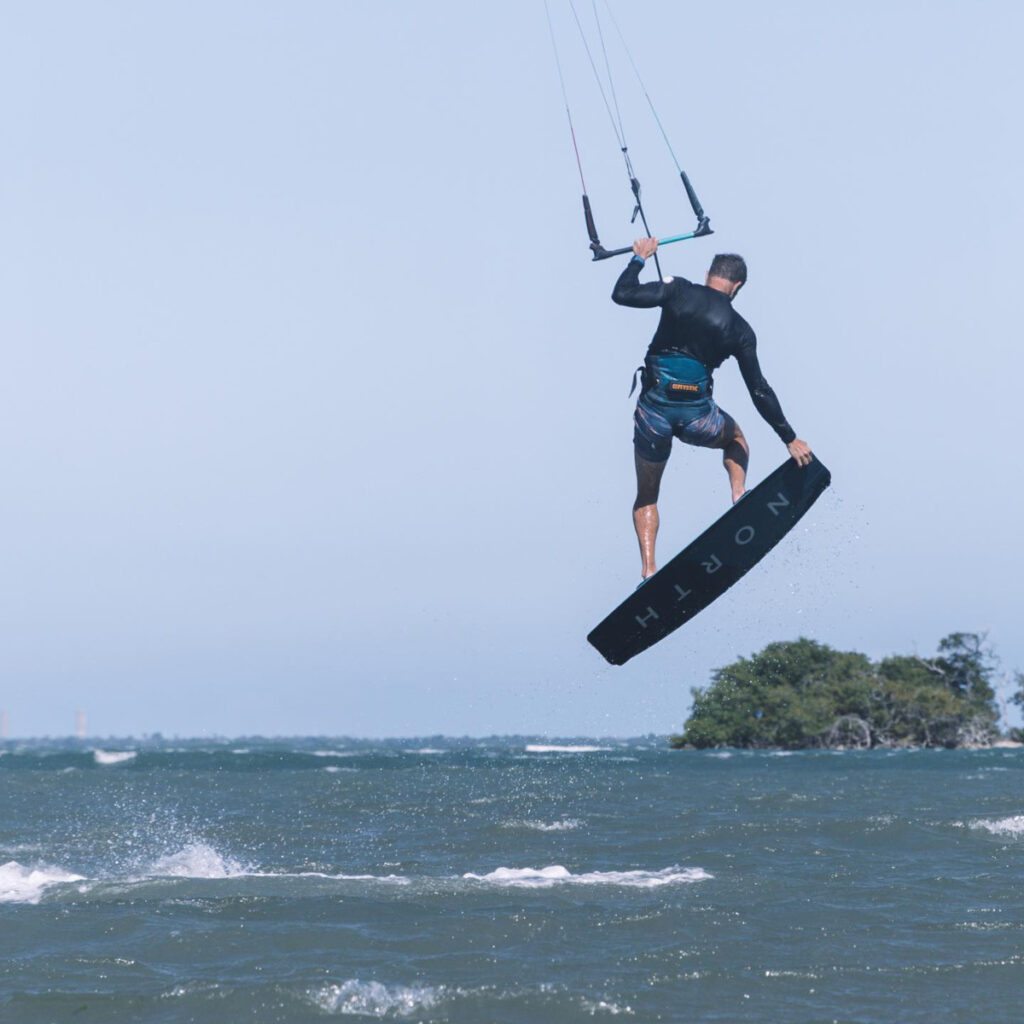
x=727, y=273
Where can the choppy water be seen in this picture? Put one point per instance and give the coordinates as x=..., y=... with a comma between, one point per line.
x=508, y=880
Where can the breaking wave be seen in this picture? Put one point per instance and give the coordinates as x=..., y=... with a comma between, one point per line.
x=555, y=874
x=107, y=757
x=554, y=748
x=20, y=884
x=1003, y=827
x=197, y=860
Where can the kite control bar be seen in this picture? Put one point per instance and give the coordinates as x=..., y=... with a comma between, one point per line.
x=601, y=253
x=703, y=223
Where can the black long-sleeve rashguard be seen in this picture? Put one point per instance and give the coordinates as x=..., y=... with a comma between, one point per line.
x=701, y=323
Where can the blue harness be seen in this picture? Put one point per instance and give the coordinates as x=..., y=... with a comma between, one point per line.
x=674, y=378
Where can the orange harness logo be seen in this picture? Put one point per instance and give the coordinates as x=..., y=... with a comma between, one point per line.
x=676, y=386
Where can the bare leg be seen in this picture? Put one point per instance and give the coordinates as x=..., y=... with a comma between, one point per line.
x=735, y=456
x=645, y=511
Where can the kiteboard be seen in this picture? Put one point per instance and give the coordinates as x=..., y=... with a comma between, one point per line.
x=709, y=566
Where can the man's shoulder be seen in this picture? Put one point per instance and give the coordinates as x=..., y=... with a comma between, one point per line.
x=674, y=281
x=742, y=331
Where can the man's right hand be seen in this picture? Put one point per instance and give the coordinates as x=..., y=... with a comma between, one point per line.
x=645, y=248
x=800, y=452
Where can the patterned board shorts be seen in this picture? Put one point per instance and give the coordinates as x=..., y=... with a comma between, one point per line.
x=656, y=423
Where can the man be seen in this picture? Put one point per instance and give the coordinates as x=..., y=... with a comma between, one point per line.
x=698, y=331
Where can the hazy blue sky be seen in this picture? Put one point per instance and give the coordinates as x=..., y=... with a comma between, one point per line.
x=314, y=408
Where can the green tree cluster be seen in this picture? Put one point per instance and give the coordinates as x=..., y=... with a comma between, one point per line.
x=803, y=694
x=1018, y=699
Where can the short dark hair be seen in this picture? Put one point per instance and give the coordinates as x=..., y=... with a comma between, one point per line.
x=729, y=266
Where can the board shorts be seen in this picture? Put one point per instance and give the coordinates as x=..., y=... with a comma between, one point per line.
x=655, y=423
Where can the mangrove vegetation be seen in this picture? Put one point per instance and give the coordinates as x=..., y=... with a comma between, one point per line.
x=803, y=694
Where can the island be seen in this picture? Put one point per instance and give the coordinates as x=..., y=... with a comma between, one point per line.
x=802, y=694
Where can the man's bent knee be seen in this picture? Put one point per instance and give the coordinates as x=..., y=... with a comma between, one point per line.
x=731, y=434
x=648, y=481
x=738, y=439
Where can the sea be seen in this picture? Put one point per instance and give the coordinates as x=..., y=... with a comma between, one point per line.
x=508, y=879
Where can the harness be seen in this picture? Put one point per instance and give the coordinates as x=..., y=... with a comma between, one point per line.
x=674, y=378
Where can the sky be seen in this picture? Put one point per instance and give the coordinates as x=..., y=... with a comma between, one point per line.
x=315, y=414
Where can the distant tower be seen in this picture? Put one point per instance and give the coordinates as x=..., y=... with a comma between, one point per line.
x=3, y=725
x=80, y=723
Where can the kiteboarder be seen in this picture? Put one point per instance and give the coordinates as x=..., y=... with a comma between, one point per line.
x=698, y=331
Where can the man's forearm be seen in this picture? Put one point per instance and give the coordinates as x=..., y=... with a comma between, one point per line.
x=767, y=404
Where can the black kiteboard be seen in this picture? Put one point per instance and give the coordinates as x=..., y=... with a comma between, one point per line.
x=709, y=566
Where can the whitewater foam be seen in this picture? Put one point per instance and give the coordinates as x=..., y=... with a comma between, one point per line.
x=393, y=879
x=565, y=825
x=20, y=884
x=603, y=1006
x=1003, y=827
x=556, y=874
x=197, y=860
x=107, y=757
x=357, y=998
x=372, y=999
x=554, y=748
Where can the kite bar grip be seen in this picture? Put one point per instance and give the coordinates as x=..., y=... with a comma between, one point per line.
x=601, y=253
x=591, y=226
x=698, y=210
